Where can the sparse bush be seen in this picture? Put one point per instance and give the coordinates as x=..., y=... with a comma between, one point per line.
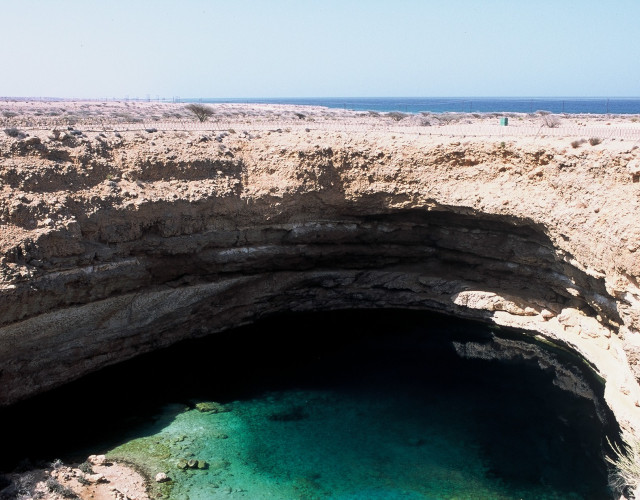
x=201, y=111
x=55, y=487
x=23, y=486
x=15, y=133
x=86, y=468
x=396, y=115
x=83, y=480
x=594, y=141
x=542, y=112
x=626, y=464
x=448, y=118
x=300, y=115
x=550, y=121
x=578, y=143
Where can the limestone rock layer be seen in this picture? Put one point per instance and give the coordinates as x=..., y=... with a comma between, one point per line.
x=116, y=245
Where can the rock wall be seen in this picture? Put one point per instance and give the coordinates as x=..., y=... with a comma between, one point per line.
x=118, y=244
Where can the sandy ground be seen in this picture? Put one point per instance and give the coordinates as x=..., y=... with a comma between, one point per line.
x=136, y=115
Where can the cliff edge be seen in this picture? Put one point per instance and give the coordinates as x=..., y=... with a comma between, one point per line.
x=114, y=243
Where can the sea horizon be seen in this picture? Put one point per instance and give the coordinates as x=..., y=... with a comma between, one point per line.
x=470, y=104
x=571, y=105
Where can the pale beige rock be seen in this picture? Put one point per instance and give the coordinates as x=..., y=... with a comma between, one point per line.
x=161, y=477
x=96, y=478
x=97, y=459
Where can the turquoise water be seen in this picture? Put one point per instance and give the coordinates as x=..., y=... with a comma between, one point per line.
x=333, y=444
x=398, y=417
x=352, y=405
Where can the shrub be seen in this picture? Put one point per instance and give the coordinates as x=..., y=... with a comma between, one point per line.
x=449, y=118
x=626, y=464
x=55, y=487
x=396, y=115
x=86, y=468
x=14, y=132
x=83, y=480
x=56, y=464
x=594, y=141
x=9, y=114
x=550, y=121
x=201, y=111
x=577, y=144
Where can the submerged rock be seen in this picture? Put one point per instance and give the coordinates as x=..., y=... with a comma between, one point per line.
x=219, y=465
x=211, y=407
x=293, y=414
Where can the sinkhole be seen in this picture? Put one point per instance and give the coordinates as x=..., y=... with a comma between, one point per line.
x=358, y=404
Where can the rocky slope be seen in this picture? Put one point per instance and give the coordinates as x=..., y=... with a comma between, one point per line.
x=114, y=244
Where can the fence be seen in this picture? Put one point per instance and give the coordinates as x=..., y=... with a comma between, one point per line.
x=627, y=131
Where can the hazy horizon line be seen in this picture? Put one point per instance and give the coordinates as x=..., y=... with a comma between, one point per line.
x=148, y=97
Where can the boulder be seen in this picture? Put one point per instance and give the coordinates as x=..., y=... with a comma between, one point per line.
x=161, y=477
x=97, y=459
x=211, y=407
x=96, y=478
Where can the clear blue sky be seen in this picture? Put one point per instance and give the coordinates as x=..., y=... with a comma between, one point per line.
x=287, y=48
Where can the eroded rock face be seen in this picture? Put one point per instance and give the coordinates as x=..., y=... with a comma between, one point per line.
x=117, y=246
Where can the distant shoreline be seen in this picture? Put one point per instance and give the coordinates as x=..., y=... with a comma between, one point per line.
x=413, y=105
x=22, y=118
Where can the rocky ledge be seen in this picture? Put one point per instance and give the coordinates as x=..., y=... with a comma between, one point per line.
x=115, y=244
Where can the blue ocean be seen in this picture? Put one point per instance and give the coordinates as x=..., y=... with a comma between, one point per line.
x=593, y=105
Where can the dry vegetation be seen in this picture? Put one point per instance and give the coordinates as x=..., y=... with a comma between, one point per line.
x=625, y=474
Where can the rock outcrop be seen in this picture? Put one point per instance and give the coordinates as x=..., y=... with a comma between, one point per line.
x=124, y=243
